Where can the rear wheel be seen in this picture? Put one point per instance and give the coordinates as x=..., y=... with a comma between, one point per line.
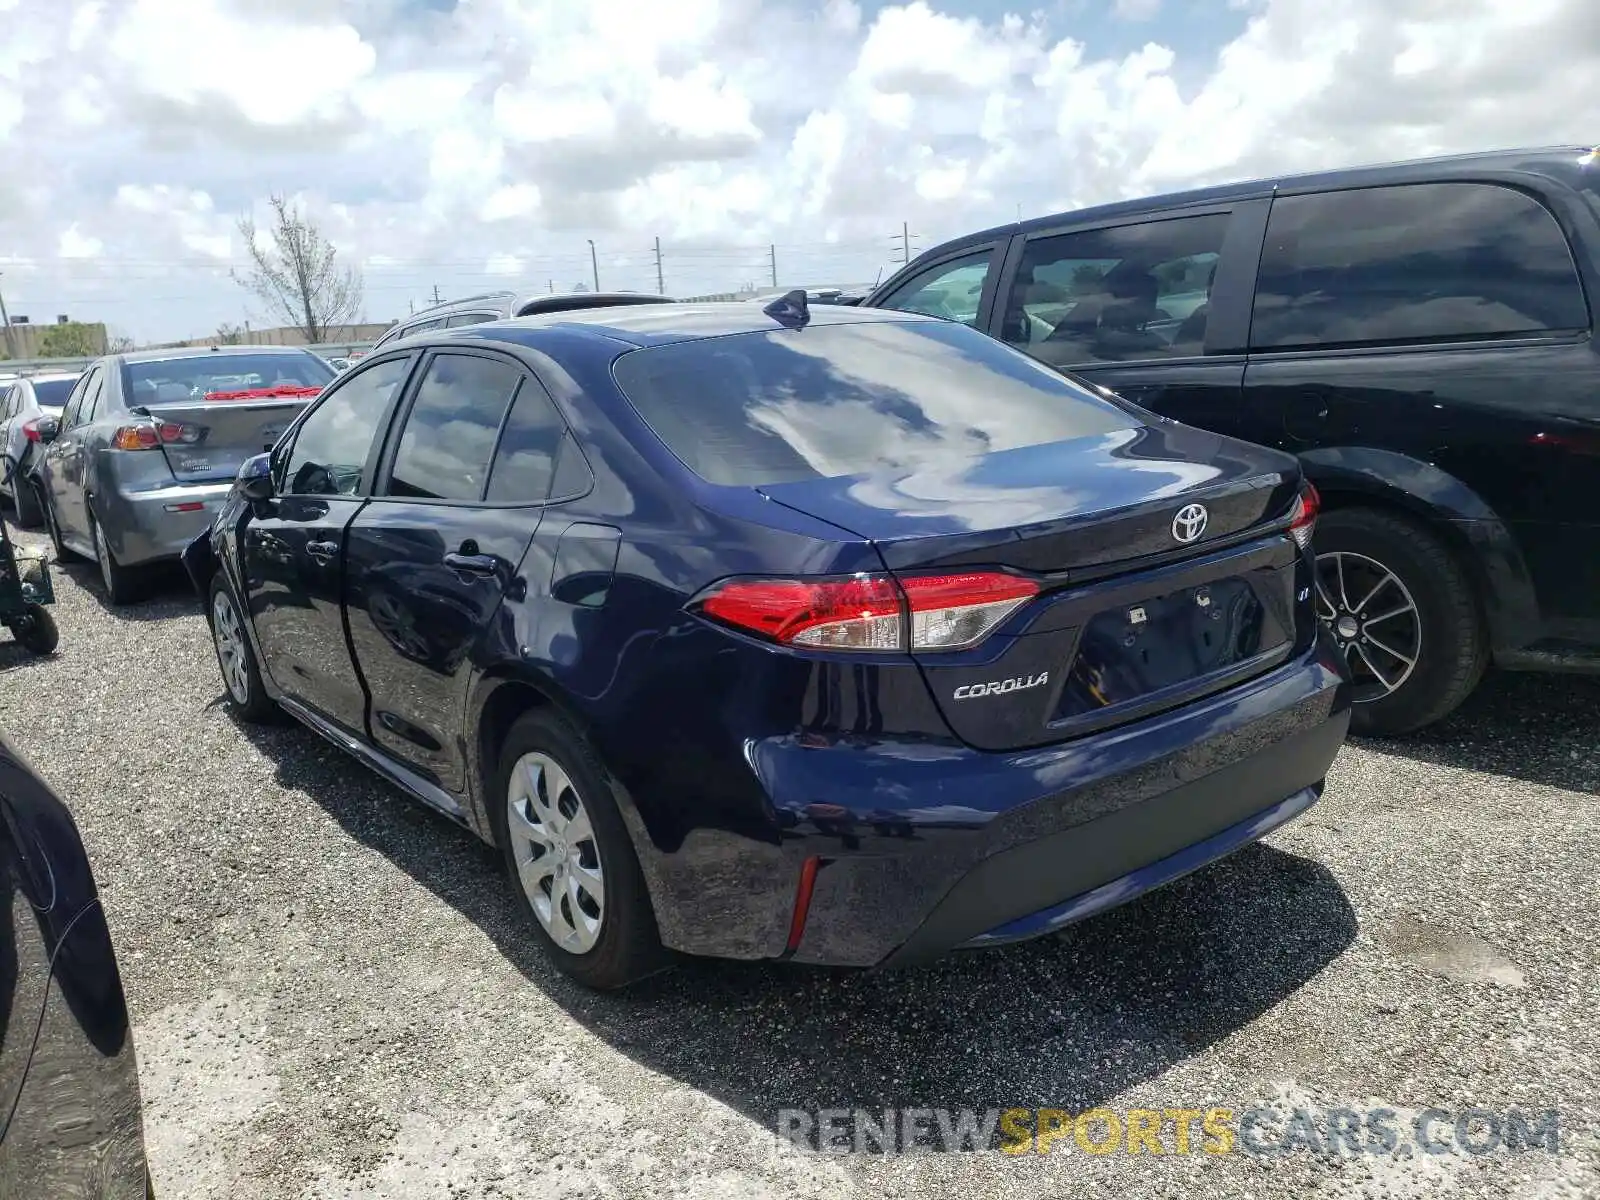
x=121, y=583
x=27, y=499
x=56, y=544
x=37, y=632
x=241, y=674
x=569, y=855
x=1402, y=610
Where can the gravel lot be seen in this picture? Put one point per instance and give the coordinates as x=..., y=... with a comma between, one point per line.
x=333, y=994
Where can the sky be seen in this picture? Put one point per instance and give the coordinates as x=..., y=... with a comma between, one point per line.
x=473, y=145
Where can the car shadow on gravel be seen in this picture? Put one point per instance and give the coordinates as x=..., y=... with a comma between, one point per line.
x=1524, y=725
x=1065, y=1022
x=166, y=592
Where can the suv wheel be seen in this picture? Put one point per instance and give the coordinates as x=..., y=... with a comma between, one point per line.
x=235, y=659
x=120, y=582
x=569, y=855
x=1403, y=612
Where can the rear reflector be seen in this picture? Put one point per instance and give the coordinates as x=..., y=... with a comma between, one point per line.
x=869, y=612
x=802, y=903
x=188, y=506
x=1303, y=517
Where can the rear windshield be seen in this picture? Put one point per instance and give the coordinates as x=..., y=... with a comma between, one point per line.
x=53, y=393
x=830, y=400
x=226, y=377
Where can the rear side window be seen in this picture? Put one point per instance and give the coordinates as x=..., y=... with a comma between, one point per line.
x=331, y=446
x=1115, y=295
x=1418, y=263
x=450, y=431
x=832, y=400
x=525, y=461
x=460, y=319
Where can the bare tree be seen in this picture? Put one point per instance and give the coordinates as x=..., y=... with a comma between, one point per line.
x=228, y=334
x=295, y=272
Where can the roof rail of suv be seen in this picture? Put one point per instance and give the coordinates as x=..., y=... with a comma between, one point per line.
x=477, y=299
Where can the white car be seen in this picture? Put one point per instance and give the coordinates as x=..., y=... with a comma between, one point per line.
x=23, y=401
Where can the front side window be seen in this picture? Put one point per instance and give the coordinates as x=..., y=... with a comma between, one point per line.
x=1418, y=263
x=450, y=431
x=1115, y=295
x=332, y=445
x=952, y=290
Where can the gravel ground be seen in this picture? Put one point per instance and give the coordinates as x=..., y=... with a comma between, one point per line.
x=334, y=996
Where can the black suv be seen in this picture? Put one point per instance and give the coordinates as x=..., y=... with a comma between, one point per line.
x=497, y=306
x=1420, y=334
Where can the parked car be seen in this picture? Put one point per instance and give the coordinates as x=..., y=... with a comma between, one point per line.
x=149, y=443
x=23, y=404
x=497, y=306
x=70, y=1120
x=806, y=632
x=1420, y=334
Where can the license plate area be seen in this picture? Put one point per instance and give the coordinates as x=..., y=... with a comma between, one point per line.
x=1174, y=643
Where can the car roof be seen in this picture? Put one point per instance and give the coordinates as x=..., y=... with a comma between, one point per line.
x=659, y=324
x=1563, y=163
x=176, y=353
x=53, y=376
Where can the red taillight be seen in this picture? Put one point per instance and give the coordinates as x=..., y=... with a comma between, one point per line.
x=153, y=436
x=30, y=429
x=1303, y=517
x=870, y=612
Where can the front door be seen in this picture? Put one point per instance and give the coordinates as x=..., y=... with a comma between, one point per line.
x=443, y=538
x=293, y=545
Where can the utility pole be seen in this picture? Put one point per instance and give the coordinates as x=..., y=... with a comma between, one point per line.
x=5, y=319
x=437, y=299
x=594, y=264
x=772, y=252
x=661, y=282
x=905, y=242
x=552, y=285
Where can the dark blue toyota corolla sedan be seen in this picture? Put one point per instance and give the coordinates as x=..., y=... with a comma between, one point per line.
x=836, y=635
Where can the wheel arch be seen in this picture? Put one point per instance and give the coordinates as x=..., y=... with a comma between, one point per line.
x=1470, y=529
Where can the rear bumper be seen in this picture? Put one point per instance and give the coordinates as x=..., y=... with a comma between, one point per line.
x=147, y=526
x=923, y=849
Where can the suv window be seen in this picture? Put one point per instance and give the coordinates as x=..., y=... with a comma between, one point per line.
x=449, y=433
x=525, y=460
x=331, y=447
x=1416, y=263
x=765, y=408
x=952, y=290
x=1112, y=295
x=472, y=318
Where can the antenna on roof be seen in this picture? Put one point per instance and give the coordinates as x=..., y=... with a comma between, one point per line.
x=790, y=309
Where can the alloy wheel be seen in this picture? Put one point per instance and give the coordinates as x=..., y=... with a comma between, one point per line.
x=102, y=554
x=556, y=854
x=1374, y=620
x=228, y=632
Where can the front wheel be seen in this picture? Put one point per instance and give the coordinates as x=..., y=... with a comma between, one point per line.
x=37, y=632
x=1402, y=611
x=241, y=674
x=569, y=855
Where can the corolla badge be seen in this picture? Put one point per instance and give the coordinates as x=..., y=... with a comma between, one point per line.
x=999, y=687
x=1189, y=523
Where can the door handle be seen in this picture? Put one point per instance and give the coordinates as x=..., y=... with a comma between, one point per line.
x=322, y=551
x=473, y=564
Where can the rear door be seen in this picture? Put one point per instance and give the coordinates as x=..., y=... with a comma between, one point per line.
x=294, y=543
x=1157, y=309
x=429, y=558
x=1445, y=321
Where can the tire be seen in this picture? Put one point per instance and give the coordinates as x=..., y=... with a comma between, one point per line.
x=63, y=555
x=236, y=659
x=41, y=636
x=1443, y=634
x=27, y=502
x=626, y=946
x=121, y=583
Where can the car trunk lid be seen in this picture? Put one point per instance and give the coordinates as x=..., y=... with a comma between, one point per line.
x=209, y=440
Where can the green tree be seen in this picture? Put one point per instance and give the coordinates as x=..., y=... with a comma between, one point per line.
x=295, y=271
x=72, y=340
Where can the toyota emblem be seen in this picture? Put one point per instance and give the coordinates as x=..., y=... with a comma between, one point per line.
x=1190, y=522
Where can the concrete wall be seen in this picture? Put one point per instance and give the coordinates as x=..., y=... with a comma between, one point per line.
x=23, y=341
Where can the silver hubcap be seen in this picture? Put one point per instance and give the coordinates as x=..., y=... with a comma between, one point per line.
x=231, y=650
x=1374, y=619
x=557, y=856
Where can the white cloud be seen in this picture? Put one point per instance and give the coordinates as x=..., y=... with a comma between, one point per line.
x=462, y=147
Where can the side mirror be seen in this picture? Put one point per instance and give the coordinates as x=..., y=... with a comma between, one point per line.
x=47, y=428
x=254, y=481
